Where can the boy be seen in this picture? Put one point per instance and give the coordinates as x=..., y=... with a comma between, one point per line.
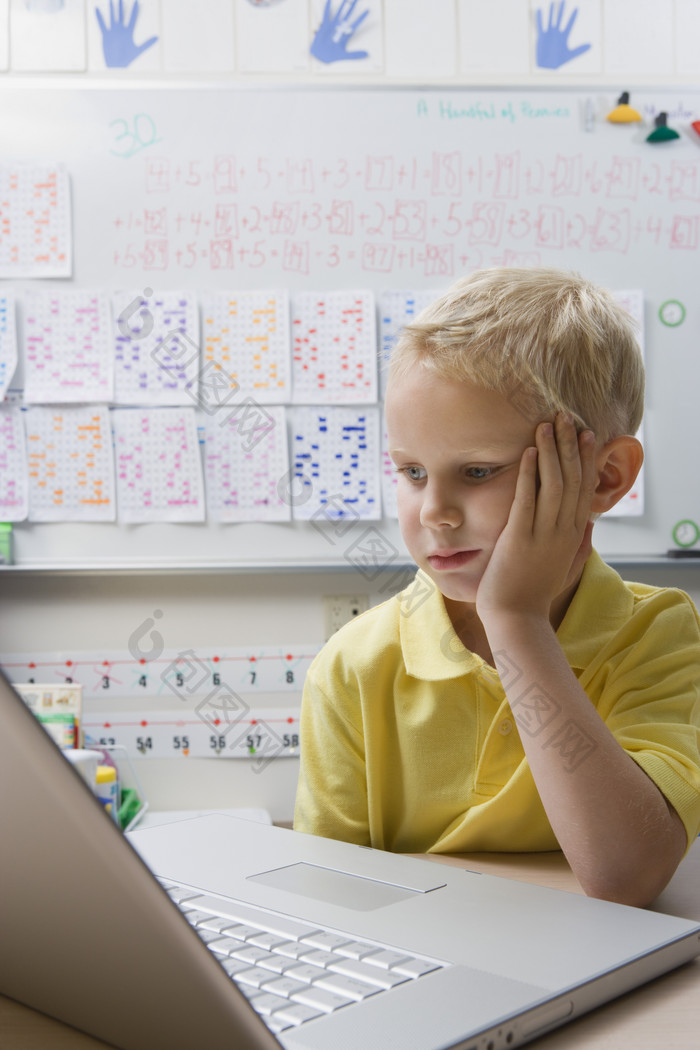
x=518, y=695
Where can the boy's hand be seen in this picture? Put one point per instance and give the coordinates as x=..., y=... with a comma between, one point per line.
x=546, y=539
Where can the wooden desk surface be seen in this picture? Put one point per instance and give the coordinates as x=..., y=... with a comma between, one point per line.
x=664, y=1013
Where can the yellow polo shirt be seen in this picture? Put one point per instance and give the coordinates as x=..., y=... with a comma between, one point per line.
x=408, y=743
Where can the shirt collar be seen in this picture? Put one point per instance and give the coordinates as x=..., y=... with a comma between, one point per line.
x=423, y=621
x=601, y=604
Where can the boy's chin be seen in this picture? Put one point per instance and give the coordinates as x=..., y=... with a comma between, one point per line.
x=454, y=589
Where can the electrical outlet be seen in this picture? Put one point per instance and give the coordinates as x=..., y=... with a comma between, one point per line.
x=339, y=609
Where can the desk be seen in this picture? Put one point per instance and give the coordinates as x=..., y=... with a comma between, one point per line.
x=664, y=1013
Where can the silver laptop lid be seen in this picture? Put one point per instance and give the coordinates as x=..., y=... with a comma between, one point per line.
x=88, y=936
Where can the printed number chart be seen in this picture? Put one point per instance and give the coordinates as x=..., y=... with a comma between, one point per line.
x=335, y=463
x=35, y=221
x=14, y=496
x=8, y=340
x=164, y=703
x=149, y=669
x=389, y=479
x=396, y=309
x=246, y=466
x=68, y=355
x=156, y=348
x=260, y=735
x=157, y=464
x=632, y=503
x=70, y=466
x=246, y=335
x=334, y=348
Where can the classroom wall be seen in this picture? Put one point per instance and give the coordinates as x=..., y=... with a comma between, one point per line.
x=61, y=612
x=444, y=42
x=399, y=41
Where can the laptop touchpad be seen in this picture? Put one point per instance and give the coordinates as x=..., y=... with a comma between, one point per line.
x=334, y=887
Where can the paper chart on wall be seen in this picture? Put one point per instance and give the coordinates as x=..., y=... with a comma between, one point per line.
x=156, y=348
x=70, y=466
x=246, y=467
x=389, y=478
x=335, y=463
x=632, y=504
x=35, y=221
x=396, y=309
x=8, y=340
x=246, y=334
x=14, y=499
x=68, y=353
x=158, y=466
x=334, y=347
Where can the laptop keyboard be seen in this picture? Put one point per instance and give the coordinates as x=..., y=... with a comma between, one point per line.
x=291, y=971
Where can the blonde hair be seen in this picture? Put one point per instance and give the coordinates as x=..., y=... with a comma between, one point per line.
x=548, y=340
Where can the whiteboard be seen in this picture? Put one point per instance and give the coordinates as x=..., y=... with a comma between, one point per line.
x=376, y=189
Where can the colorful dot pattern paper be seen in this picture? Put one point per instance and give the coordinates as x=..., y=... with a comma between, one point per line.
x=156, y=348
x=335, y=463
x=8, y=340
x=246, y=466
x=246, y=333
x=334, y=348
x=396, y=309
x=14, y=498
x=69, y=456
x=158, y=465
x=68, y=354
x=35, y=221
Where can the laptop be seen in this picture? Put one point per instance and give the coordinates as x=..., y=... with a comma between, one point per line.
x=430, y=956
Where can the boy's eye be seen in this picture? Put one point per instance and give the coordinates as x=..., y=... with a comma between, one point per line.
x=414, y=473
x=479, y=473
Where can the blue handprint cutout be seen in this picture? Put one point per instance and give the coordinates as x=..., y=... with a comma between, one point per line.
x=118, y=37
x=335, y=31
x=553, y=42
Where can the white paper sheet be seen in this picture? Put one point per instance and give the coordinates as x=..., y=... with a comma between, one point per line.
x=48, y=36
x=639, y=37
x=8, y=339
x=158, y=465
x=4, y=34
x=347, y=38
x=156, y=348
x=334, y=350
x=197, y=41
x=35, y=221
x=70, y=464
x=272, y=38
x=130, y=40
x=246, y=336
x=494, y=37
x=335, y=453
x=68, y=353
x=417, y=46
x=14, y=494
x=686, y=38
x=396, y=309
x=246, y=466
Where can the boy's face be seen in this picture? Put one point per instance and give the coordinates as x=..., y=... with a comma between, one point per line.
x=457, y=449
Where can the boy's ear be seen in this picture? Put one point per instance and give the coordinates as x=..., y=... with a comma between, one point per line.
x=618, y=463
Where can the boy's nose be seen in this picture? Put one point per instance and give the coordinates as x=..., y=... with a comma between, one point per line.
x=440, y=509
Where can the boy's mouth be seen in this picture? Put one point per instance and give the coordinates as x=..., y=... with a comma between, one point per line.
x=451, y=560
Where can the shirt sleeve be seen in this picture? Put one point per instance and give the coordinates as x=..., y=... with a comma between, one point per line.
x=652, y=702
x=331, y=798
